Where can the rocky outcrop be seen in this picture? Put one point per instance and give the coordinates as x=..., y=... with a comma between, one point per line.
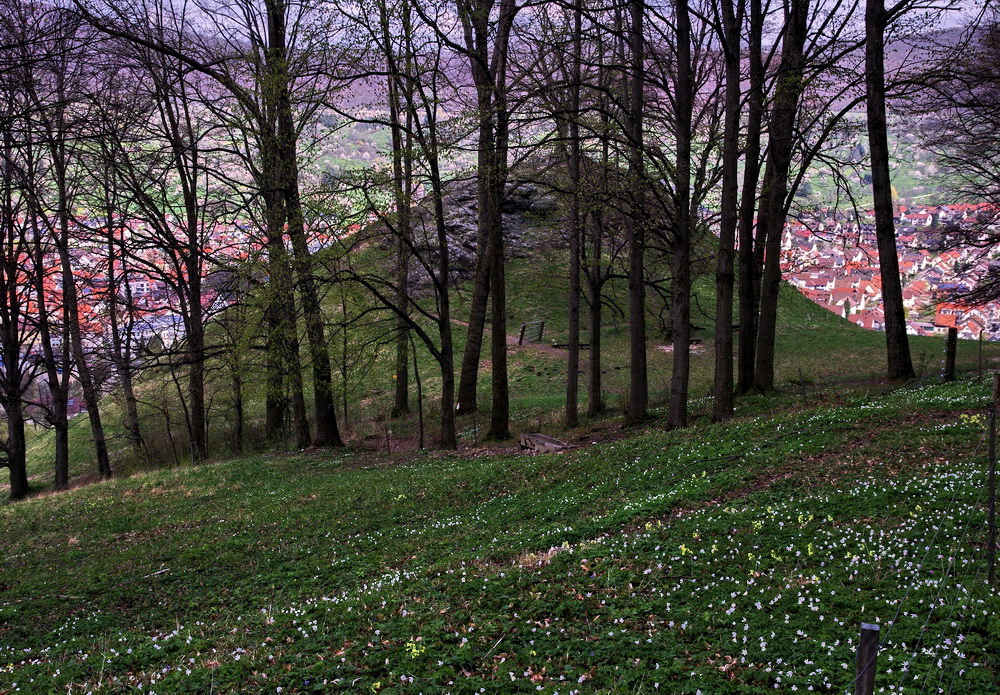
x=530, y=214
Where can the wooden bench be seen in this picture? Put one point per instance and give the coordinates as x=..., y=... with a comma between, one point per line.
x=532, y=331
x=543, y=443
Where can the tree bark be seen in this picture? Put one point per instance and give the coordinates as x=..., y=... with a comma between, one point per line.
x=899, y=365
x=497, y=183
x=327, y=432
x=16, y=448
x=722, y=407
x=120, y=343
x=681, y=309
x=500, y=398
x=72, y=316
x=638, y=398
x=468, y=385
x=774, y=196
x=276, y=318
x=90, y=394
x=749, y=277
x=57, y=370
x=595, y=399
x=402, y=162
x=573, y=351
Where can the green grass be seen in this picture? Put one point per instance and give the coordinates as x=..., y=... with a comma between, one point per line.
x=720, y=558
x=725, y=558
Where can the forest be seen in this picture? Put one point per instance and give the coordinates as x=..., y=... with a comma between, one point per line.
x=462, y=346
x=176, y=241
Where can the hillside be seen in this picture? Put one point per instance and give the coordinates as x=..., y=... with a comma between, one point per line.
x=815, y=348
x=721, y=558
x=726, y=558
x=635, y=560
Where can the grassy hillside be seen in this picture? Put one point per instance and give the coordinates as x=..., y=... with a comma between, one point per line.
x=814, y=348
x=726, y=558
x=729, y=558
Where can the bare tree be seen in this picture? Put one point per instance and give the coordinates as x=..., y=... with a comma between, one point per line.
x=269, y=88
x=728, y=21
x=638, y=392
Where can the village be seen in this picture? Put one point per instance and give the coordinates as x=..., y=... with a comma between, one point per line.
x=831, y=257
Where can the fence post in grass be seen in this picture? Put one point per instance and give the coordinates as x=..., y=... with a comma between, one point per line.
x=864, y=681
x=520, y=338
x=991, y=541
x=420, y=391
x=980, y=373
x=951, y=347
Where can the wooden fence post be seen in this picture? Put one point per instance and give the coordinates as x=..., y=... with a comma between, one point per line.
x=980, y=373
x=520, y=338
x=951, y=347
x=991, y=542
x=864, y=682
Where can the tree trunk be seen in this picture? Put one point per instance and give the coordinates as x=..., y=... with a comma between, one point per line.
x=899, y=365
x=468, y=385
x=681, y=309
x=402, y=186
x=195, y=338
x=297, y=402
x=595, y=399
x=276, y=321
x=722, y=407
x=497, y=178
x=573, y=356
x=749, y=280
x=446, y=355
x=500, y=398
x=327, y=432
x=122, y=355
x=239, y=427
x=469, y=377
x=72, y=316
x=16, y=458
x=774, y=196
x=58, y=385
x=638, y=398
x=195, y=323
x=90, y=394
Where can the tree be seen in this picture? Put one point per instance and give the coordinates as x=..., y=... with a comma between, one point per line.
x=145, y=182
x=748, y=276
x=409, y=54
x=638, y=393
x=877, y=20
x=728, y=22
x=684, y=88
x=574, y=222
x=961, y=126
x=16, y=336
x=485, y=28
x=55, y=93
x=268, y=88
x=118, y=115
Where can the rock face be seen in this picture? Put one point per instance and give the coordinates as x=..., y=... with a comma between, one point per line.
x=529, y=214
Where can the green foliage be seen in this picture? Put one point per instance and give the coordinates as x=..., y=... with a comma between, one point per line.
x=726, y=558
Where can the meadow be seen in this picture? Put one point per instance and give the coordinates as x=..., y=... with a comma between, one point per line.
x=722, y=558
